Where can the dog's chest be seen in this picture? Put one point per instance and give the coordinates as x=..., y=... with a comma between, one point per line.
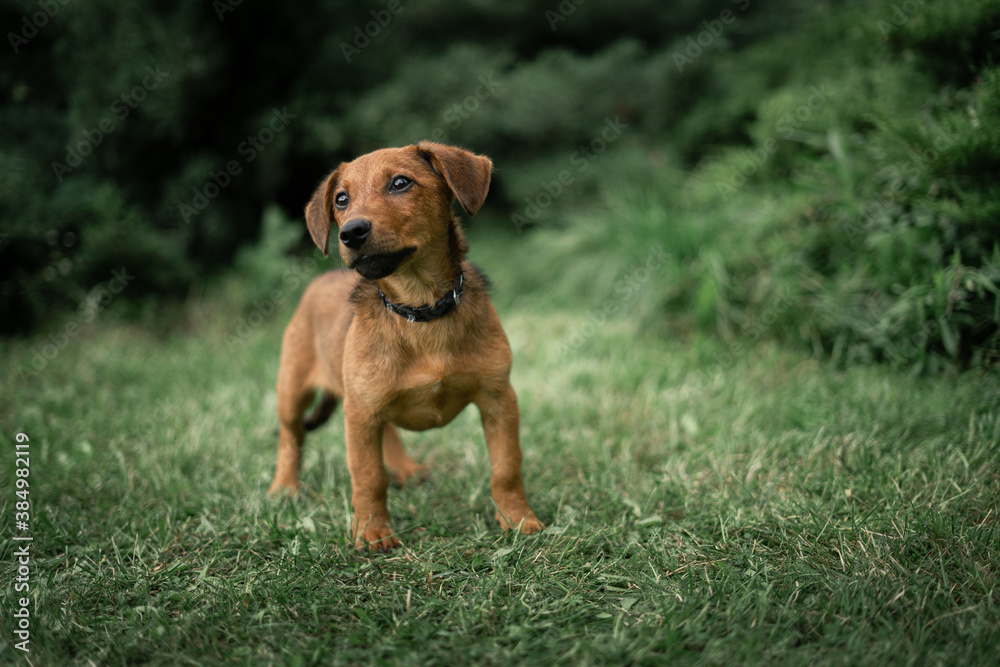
x=430, y=394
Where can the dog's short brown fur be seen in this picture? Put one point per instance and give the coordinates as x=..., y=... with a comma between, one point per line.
x=388, y=371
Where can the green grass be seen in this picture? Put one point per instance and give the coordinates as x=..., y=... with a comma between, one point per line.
x=703, y=507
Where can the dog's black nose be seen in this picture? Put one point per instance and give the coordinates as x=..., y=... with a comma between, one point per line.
x=354, y=233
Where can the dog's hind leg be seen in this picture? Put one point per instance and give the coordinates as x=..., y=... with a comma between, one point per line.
x=295, y=393
x=402, y=468
x=291, y=434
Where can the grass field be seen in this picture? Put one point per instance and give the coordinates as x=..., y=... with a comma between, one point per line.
x=703, y=507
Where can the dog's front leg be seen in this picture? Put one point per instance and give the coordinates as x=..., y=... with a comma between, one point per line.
x=501, y=420
x=369, y=481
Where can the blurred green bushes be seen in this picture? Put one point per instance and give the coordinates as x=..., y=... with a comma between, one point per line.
x=860, y=215
x=824, y=173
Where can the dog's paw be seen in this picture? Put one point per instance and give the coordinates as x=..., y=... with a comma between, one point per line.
x=527, y=524
x=531, y=525
x=281, y=489
x=377, y=537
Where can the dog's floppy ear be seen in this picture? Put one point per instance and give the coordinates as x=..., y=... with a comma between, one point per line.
x=467, y=174
x=319, y=211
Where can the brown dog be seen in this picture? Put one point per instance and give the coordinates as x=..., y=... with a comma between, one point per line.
x=371, y=338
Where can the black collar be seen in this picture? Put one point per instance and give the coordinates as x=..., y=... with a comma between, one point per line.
x=443, y=306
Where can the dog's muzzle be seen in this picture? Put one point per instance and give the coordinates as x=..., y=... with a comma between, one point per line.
x=381, y=265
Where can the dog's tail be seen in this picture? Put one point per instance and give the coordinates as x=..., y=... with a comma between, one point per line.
x=321, y=413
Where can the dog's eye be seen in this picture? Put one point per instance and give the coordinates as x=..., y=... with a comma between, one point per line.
x=399, y=184
x=341, y=200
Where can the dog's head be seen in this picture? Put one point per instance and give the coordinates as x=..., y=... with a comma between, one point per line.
x=389, y=204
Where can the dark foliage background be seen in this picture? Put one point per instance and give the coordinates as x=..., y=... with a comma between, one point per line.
x=865, y=226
